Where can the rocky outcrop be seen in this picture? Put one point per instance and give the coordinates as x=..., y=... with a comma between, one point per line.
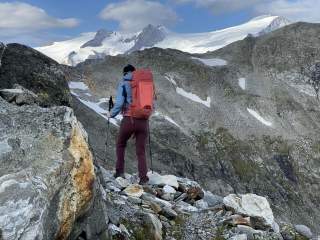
x=150, y=215
x=19, y=95
x=34, y=71
x=46, y=171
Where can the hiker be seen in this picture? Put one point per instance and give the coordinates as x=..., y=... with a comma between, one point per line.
x=135, y=116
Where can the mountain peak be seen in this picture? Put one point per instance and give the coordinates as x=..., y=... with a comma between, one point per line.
x=149, y=36
x=98, y=38
x=277, y=23
x=151, y=27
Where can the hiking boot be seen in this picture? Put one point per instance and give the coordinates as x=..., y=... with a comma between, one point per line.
x=144, y=181
x=116, y=175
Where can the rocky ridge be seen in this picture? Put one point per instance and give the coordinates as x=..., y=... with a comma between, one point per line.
x=170, y=207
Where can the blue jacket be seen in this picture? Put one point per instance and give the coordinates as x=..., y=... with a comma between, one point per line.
x=120, y=99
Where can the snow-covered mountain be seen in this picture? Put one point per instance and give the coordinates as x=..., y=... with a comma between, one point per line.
x=101, y=43
x=274, y=25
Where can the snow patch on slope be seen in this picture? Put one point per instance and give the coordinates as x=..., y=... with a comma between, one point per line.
x=169, y=119
x=212, y=62
x=99, y=110
x=242, y=83
x=95, y=106
x=170, y=79
x=78, y=85
x=193, y=97
x=259, y=118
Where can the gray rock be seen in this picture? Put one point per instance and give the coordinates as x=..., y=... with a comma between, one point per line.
x=182, y=197
x=151, y=198
x=239, y=237
x=46, y=172
x=169, y=189
x=134, y=190
x=122, y=182
x=201, y=204
x=169, y=212
x=303, y=230
x=255, y=206
x=212, y=199
x=154, y=226
x=116, y=232
x=249, y=231
x=168, y=196
x=162, y=180
x=19, y=95
x=134, y=200
x=185, y=207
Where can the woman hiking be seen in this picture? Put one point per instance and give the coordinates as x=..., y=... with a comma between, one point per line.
x=134, y=99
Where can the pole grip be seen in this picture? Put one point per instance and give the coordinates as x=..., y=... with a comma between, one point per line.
x=110, y=103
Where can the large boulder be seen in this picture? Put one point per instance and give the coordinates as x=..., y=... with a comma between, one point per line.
x=254, y=206
x=162, y=180
x=46, y=172
x=33, y=70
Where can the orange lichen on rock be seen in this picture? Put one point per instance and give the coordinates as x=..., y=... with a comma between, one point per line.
x=79, y=192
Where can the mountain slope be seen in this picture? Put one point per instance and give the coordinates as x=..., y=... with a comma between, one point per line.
x=103, y=43
x=238, y=119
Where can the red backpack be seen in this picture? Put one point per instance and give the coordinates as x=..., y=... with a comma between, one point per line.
x=143, y=94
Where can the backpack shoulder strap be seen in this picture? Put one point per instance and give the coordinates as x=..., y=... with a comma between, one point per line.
x=124, y=94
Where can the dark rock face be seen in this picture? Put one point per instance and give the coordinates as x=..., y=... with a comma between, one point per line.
x=226, y=147
x=149, y=36
x=98, y=39
x=34, y=71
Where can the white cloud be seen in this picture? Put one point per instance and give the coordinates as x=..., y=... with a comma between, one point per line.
x=133, y=15
x=25, y=23
x=297, y=10
x=221, y=6
x=22, y=16
x=300, y=10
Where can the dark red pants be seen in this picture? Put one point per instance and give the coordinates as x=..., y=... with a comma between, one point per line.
x=138, y=127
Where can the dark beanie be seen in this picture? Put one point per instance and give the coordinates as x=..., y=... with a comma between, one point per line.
x=128, y=68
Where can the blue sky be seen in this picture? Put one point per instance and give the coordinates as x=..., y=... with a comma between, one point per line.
x=37, y=22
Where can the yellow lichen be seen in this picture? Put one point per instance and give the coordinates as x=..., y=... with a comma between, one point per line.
x=79, y=192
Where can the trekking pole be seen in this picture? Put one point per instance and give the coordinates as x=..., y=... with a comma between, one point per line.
x=150, y=151
x=108, y=126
